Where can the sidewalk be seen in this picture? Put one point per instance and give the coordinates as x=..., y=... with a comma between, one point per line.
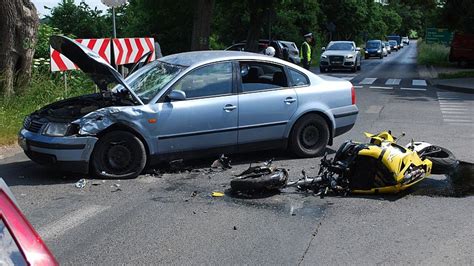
x=465, y=85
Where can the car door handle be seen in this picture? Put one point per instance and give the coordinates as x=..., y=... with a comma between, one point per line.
x=290, y=100
x=229, y=107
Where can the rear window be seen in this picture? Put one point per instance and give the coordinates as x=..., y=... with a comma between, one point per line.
x=373, y=44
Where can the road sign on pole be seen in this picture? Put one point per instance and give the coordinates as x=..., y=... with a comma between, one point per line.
x=441, y=36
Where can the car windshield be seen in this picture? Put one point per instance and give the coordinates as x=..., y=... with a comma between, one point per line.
x=151, y=79
x=393, y=42
x=373, y=45
x=340, y=46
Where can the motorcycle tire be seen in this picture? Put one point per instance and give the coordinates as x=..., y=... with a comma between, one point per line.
x=443, y=160
x=273, y=181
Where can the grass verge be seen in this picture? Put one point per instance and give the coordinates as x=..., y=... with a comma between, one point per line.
x=433, y=54
x=44, y=88
x=456, y=75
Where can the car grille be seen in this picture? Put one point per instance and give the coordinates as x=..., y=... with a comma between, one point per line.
x=336, y=59
x=32, y=125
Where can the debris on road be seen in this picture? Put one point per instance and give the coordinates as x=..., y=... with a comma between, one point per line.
x=117, y=188
x=217, y=194
x=222, y=163
x=235, y=227
x=194, y=193
x=81, y=183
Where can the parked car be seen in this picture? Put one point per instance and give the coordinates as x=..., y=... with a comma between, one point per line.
x=393, y=45
x=387, y=46
x=462, y=49
x=186, y=105
x=406, y=40
x=285, y=50
x=340, y=55
x=374, y=48
x=20, y=244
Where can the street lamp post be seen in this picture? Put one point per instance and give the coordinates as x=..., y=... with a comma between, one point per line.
x=113, y=4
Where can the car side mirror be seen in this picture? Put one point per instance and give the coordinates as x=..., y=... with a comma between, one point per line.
x=177, y=95
x=323, y=49
x=357, y=49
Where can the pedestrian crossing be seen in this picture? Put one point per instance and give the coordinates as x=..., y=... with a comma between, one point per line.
x=456, y=108
x=384, y=83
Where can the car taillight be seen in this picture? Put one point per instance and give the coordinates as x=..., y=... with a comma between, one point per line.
x=353, y=95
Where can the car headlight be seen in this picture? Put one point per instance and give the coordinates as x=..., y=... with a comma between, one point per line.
x=366, y=52
x=349, y=56
x=378, y=51
x=56, y=129
x=324, y=56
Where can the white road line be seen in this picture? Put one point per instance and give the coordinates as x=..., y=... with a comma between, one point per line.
x=368, y=81
x=70, y=221
x=453, y=112
x=462, y=116
x=347, y=78
x=453, y=109
x=457, y=120
x=413, y=89
x=418, y=82
x=451, y=103
x=383, y=88
x=392, y=82
x=358, y=87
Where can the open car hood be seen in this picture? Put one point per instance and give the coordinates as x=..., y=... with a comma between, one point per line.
x=101, y=72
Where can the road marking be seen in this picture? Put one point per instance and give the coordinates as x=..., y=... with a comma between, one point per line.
x=418, y=82
x=451, y=103
x=358, y=87
x=457, y=120
x=413, y=89
x=392, y=82
x=452, y=112
x=367, y=81
x=453, y=109
x=70, y=221
x=383, y=88
x=348, y=78
x=456, y=108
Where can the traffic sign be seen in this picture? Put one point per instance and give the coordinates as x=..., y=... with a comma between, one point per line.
x=441, y=36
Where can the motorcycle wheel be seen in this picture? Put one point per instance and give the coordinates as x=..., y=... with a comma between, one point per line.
x=272, y=181
x=443, y=159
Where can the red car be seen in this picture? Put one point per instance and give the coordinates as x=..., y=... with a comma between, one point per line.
x=462, y=49
x=20, y=244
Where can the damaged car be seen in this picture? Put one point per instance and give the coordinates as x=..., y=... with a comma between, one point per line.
x=186, y=105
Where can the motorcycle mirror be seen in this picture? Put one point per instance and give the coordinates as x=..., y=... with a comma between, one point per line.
x=401, y=136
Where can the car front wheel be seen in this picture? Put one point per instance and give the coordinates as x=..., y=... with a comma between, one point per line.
x=309, y=136
x=118, y=154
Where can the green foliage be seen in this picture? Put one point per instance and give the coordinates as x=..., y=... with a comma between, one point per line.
x=43, y=89
x=42, y=45
x=458, y=15
x=433, y=54
x=79, y=20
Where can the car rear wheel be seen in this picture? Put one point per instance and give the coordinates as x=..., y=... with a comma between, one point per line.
x=118, y=154
x=309, y=136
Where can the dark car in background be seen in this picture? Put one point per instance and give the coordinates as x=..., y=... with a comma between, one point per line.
x=374, y=48
x=396, y=38
x=393, y=45
x=285, y=50
x=462, y=49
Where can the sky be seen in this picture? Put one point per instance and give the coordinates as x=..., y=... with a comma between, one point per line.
x=39, y=4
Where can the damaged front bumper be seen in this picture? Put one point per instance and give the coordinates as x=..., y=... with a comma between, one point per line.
x=71, y=153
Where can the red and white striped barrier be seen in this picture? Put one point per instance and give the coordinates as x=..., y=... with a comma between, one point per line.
x=60, y=62
x=129, y=50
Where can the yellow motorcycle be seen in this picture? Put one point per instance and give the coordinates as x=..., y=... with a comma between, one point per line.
x=380, y=166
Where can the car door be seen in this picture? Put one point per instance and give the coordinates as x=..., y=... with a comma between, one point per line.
x=207, y=118
x=266, y=102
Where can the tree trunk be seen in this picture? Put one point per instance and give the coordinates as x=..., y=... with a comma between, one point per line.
x=258, y=10
x=18, y=26
x=202, y=25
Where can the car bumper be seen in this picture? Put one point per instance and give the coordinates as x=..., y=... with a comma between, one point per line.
x=345, y=64
x=345, y=118
x=69, y=153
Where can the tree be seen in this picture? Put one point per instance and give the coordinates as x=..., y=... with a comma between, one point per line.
x=458, y=15
x=202, y=24
x=18, y=25
x=79, y=20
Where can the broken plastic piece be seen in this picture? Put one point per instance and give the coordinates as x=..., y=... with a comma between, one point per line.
x=223, y=162
x=81, y=183
x=217, y=194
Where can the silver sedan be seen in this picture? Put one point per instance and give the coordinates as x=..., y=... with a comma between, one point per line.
x=186, y=105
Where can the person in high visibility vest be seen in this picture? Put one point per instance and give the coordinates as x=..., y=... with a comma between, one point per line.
x=305, y=51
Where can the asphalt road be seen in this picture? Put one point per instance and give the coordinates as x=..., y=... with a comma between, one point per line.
x=172, y=219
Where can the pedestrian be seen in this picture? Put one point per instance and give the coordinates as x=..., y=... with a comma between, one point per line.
x=305, y=50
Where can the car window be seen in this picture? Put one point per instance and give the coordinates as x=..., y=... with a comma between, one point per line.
x=341, y=46
x=373, y=44
x=258, y=76
x=298, y=78
x=210, y=80
x=10, y=254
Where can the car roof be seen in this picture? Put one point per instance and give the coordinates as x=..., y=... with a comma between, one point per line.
x=202, y=57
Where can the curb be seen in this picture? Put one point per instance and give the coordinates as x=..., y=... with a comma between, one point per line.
x=454, y=88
